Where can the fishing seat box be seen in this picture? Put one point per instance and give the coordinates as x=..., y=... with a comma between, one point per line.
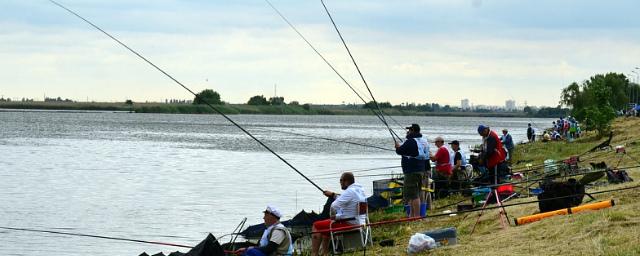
x=443, y=236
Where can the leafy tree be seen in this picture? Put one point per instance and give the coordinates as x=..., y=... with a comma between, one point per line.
x=276, y=101
x=372, y=105
x=306, y=106
x=595, y=101
x=258, y=100
x=528, y=110
x=294, y=103
x=128, y=102
x=207, y=96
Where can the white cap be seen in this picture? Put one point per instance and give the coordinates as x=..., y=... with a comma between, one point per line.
x=273, y=211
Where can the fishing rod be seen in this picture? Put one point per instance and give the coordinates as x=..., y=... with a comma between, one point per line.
x=535, y=168
x=358, y=171
x=378, y=115
x=380, y=223
x=95, y=236
x=541, y=179
x=375, y=102
x=368, y=175
x=328, y=139
x=190, y=91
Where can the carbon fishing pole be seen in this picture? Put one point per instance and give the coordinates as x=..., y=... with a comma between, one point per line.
x=357, y=67
x=357, y=171
x=541, y=179
x=329, y=139
x=189, y=90
x=379, y=115
x=96, y=236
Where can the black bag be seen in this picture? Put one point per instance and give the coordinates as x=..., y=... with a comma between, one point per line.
x=560, y=195
x=618, y=176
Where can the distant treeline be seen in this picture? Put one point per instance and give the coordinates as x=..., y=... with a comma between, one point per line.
x=285, y=109
x=276, y=105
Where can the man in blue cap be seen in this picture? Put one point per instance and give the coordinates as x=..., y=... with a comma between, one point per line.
x=493, y=154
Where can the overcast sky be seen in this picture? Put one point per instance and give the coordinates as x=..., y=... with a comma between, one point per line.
x=409, y=51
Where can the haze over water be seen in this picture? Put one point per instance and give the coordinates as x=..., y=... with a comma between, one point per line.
x=175, y=178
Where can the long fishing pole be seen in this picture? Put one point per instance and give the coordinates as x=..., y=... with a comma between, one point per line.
x=541, y=179
x=357, y=67
x=189, y=90
x=379, y=115
x=95, y=236
x=329, y=139
x=358, y=171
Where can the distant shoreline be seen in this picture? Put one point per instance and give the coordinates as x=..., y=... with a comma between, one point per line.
x=169, y=108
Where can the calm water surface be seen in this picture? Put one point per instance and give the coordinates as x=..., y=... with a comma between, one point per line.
x=175, y=178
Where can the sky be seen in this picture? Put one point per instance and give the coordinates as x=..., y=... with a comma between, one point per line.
x=417, y=51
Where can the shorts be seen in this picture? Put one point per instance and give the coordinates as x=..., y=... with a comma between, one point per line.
x=322, y=225
x=412, y=185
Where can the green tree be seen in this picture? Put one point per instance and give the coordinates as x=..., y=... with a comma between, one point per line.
x=207, y=96
x=595, y=101
x=372, y=105
x=276, y=101
x=258, y=100
x=529, y=111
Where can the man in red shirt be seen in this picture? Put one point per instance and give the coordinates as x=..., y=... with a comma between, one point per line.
x=442, y=159
x=443, y=168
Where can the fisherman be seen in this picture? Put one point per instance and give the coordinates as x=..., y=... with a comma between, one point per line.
x=507, y=141
x=343, y=213
x=459, y=161
x=443, y=168
x=493, y=154
x=276, y=239
x=531, y=133
x=415, y=155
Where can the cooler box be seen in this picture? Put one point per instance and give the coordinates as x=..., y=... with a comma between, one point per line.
x=443, y=237
x=479, y=194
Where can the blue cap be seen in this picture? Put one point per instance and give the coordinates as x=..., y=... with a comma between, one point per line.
x=481, y=128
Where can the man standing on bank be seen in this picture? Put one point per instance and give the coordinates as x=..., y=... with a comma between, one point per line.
x=507, y=142
x=415, y=153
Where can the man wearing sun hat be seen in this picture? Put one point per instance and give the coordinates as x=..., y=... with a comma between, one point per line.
x=276, y=239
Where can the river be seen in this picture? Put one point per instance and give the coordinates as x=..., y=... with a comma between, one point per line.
x=175, y=178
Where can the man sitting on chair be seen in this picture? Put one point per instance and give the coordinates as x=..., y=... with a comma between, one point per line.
x=344, y=212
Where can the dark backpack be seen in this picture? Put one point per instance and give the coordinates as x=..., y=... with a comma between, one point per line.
x=618, y=176
x=560, y=195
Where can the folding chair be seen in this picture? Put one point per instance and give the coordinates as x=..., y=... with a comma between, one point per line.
x=353, y=237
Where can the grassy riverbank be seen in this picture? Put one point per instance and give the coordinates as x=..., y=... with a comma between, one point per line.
x=612, y=231
x=236, y=109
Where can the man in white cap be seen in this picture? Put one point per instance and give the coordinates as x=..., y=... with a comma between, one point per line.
x=276, y=239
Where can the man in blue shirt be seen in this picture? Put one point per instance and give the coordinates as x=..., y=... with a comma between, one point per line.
x=507, y=141
x=415, y=155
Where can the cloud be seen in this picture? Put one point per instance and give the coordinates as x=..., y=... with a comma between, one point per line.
x=417, y=51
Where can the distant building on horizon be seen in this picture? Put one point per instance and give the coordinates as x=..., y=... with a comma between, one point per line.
x=464, y=104
x=510, y=105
